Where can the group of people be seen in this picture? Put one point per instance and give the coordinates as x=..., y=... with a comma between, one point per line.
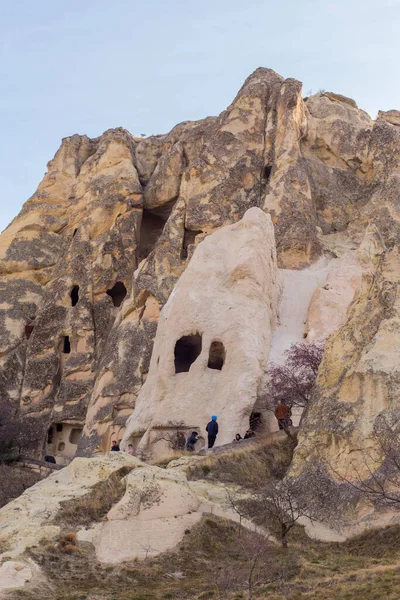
x=212, y=432
x=249, y=434
x=282, y=413
x=115, y=448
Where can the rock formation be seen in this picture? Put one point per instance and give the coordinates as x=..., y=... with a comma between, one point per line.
x=356, y=398
x=213, y=338
x=95, y=253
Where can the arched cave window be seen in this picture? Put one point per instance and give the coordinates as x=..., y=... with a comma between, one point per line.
x=117, y=293
x=74, y=295
x=28, y=331
x=61, y=447
x=66, y=345
x=216, y=357
x=187, y=349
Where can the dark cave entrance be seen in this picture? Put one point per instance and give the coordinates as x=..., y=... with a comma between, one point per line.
x=151, y=228
x=66, y=348
x=267, y=173
x=74, y=295
x=117, y=293
x=216, y=357
x=255, y=421
x=187, y=350
x=188, y=239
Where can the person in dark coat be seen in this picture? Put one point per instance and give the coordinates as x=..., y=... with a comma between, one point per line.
x=249, y=434
x=212, y=430
x=192, y=439
x=114, y=446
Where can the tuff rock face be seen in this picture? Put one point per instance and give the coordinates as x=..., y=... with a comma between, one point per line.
x=94, y=254
x=213, y=338
x=355, y=415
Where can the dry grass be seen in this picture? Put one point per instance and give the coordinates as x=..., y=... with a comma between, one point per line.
x=94, y=506
x=215, y=561
x=249, y=467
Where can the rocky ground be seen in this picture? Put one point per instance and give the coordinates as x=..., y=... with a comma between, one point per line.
x=216, y=554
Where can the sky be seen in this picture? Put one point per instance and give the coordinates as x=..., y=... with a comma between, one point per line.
x=84, y=66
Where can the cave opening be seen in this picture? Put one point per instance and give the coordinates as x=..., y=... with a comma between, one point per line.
x=187, y=350
x=267, y=172
x=74, y=295
x=66, y=345
x=188, y=239
x=255, y=421
x=117, y=293
x=151, y=228
x=216, y=357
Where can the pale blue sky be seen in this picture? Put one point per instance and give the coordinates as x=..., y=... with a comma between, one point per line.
x=84, y=66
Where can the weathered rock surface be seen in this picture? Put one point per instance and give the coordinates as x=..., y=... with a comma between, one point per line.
x=329, y=303
x=155, y=509
x=213, y=338
x=95, y=253
x=356, y=400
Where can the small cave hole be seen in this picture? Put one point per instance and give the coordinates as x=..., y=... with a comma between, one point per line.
x=61, y=447
x=187, y=349
x=66, y=345
x=74, y=234
x=117, y=293
x=74, y=295
x=267, y=172
x=50, y=435
x=216, y=357
x=188, y=239
x=28, y=331
x=59, y=427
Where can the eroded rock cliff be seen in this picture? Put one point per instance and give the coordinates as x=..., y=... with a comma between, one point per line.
x=96, y=251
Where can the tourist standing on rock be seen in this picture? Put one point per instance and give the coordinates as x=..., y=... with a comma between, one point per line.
x=212, y=430
x=114, y=446
x=130, y=449
x=282, y=413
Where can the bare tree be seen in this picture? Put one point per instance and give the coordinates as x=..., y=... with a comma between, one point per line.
x=279, y=506
x=255, y=554
x=254, y=548
x=378, y=475
x=174, y=436
x=293, y=381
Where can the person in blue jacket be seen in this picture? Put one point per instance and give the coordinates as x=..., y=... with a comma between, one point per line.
x=212, y=430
